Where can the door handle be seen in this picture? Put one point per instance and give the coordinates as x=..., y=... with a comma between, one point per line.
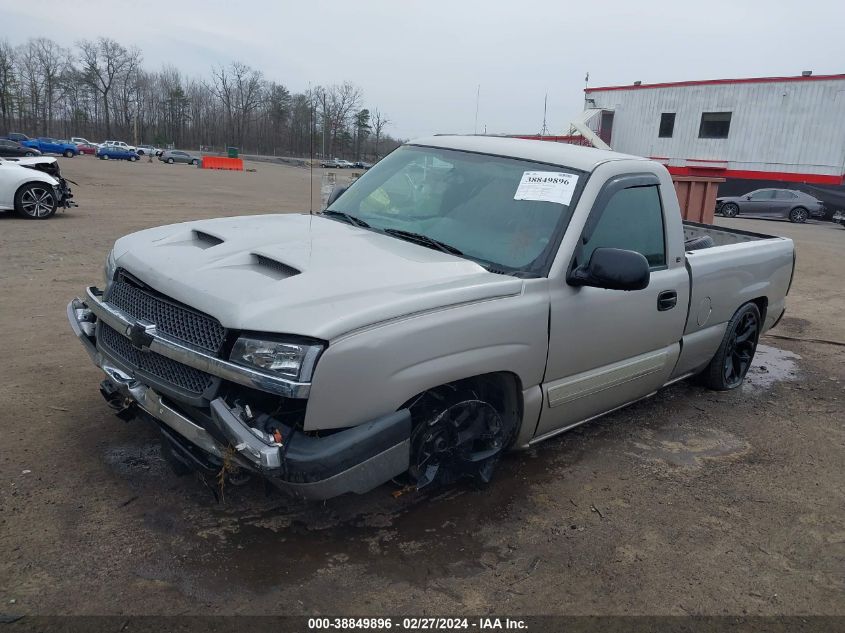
x=667, y=300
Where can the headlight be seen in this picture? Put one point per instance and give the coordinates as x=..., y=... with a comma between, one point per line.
x=109, y=268
x=293, y=360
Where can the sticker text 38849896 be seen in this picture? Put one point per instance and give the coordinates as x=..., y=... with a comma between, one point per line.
x=546, y=186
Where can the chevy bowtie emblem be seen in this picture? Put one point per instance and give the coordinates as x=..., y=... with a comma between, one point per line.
x=139, y=336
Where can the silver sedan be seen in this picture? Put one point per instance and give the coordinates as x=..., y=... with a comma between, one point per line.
x=796, y=206
x=171, y=156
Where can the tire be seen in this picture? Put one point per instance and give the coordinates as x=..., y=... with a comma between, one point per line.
x=697, y=243
x=798, y=215
x=69, y=154
x=728, y=367
x=36, y=201
x=105, y=157
x=194, y=162
x=458, y=433
x=729, y=210
x=169, y=161
x=132, y=159
x=29, y=154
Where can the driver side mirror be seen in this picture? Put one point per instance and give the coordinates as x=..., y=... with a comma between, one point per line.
x=612, y=269
x=335, y=194
x=748, y=197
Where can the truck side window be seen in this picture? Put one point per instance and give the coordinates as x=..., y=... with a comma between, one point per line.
x=632, y=220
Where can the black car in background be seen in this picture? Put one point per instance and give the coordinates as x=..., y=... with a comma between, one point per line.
x=13, y=149
x=16, y=136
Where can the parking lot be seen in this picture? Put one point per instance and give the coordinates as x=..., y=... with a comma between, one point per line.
x=694, y=502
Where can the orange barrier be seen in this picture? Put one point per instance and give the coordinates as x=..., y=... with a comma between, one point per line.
x=218, y=162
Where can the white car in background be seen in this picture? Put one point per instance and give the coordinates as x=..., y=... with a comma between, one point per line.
x=78, y=140
x=148, y=150
x=120, y=144
x=29, y=191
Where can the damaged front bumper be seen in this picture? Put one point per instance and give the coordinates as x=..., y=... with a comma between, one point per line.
x=356, y=460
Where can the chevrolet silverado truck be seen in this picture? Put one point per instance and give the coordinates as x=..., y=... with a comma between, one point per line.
x=465, y=296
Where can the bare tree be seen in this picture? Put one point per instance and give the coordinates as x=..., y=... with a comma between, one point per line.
x=52, y=60
x=380, y=121
x=240, y=89
x=104, y=61
x=343, y=99
x=105, y=92
x=7, y=81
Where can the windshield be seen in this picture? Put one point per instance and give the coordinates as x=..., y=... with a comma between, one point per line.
x=498, y=211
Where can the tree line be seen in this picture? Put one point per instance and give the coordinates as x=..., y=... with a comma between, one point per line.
x=100, y=90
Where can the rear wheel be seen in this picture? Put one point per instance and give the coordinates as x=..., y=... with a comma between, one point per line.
x=132, y=159
x=733, y=359
x=29, y=154
x=68, y=153
x=169, y=161
x=730, y=210
x=798, y=215
x=36, y=201
x=194, y=162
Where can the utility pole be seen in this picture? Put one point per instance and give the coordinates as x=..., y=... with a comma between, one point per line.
x=477, y=98
x=545, y=130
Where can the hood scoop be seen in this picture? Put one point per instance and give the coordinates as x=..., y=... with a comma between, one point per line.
x=206, y=240
x=272, y=268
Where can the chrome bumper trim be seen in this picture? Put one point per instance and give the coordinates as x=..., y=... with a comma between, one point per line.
x=173, y=349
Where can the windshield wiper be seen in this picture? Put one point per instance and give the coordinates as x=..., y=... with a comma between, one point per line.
x=351, y=219
x=424, y=240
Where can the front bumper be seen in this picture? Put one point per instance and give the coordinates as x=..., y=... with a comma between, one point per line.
x=353, y=460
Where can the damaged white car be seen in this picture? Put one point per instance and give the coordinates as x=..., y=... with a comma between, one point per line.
x=33, y=187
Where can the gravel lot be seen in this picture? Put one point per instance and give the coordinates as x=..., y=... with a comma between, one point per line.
x=694, y=502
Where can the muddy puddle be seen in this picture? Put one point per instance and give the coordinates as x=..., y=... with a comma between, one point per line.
x=771, y=365
x=690, y=448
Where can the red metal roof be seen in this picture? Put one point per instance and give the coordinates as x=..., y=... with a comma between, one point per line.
x=710, y=82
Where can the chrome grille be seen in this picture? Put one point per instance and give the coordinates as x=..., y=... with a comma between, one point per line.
x=169, y=371
x=169, y=317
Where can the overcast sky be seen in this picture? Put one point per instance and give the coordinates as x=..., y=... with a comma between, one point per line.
x=422, y=61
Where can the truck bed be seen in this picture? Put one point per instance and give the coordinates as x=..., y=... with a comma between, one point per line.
x=723, y=236
x=741, y=266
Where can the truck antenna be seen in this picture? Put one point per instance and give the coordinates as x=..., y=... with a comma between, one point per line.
x=311, y=151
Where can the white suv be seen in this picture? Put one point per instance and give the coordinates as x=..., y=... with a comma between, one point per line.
x=119, y=144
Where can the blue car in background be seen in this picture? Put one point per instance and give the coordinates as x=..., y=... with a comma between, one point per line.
x=118, y=153
x=47, y=145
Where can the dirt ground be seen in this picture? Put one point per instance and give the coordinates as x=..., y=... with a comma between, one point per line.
x=693, y=502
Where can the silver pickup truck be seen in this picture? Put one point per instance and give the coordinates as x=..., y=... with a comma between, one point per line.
x=465, y=296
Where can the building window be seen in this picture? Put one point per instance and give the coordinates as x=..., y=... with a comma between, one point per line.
x=667, y=125
x=714, y=125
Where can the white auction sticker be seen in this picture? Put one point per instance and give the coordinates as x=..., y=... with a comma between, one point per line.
x=546, y=186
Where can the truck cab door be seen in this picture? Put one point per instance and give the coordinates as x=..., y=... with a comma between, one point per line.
x=611, y=347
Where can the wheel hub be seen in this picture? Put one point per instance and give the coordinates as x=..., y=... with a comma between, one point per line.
x=741, y=348
x=37, y=202
x=465, y=439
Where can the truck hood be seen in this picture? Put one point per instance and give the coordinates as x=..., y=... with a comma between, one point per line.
x=302, y=274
